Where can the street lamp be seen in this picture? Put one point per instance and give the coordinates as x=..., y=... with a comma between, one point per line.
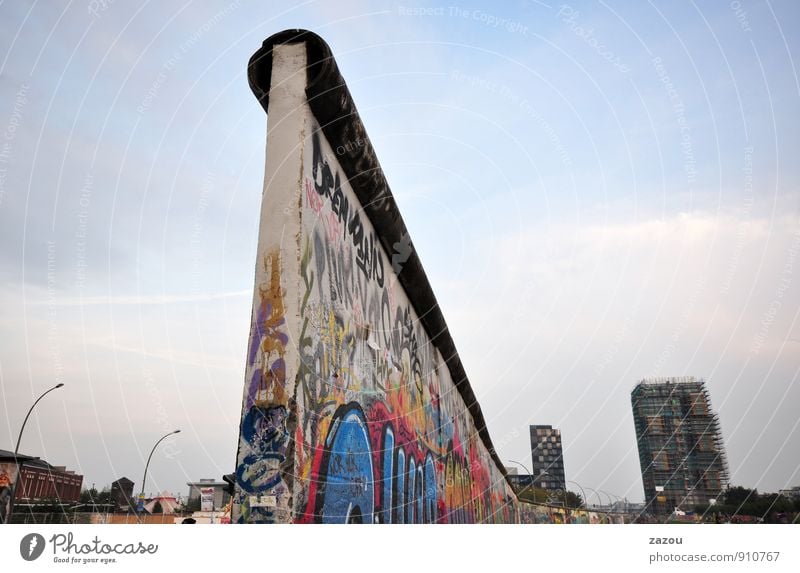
x=523, y=466
x=610, y=501
x=144, y=478
x=585, y=501
x=620, y=502
x=600, y=499
x=530, y=482
x=16, y=451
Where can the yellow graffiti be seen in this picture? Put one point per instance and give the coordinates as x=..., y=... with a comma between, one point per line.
x=271, y=388
x=338, y=344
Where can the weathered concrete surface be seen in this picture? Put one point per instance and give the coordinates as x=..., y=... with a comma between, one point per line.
x=356, y=407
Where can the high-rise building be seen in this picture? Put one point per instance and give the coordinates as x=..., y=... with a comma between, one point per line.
x=548, y=459
x=681, y=452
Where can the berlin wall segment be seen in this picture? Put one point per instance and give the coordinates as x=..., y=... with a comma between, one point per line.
x=350, y=413
x=265, y=461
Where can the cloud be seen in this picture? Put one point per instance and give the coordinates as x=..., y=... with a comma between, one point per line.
x=140, y=300
x=571, y=316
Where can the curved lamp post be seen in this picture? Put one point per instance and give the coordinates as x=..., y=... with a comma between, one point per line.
x=523, y=466
x=585, y=501
x=600, y=499
x=16, y=451
x=530, y=483
x=144, y=477
x=610, y=501
x=527, y=471
x=618, y=498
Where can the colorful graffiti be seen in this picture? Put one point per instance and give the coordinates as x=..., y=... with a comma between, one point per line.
x=6, y=492
x=346, y=490
x=350, y=413
x=268, y=339
x=545, y=514
x=382, y=435
x=262, y=494
x=370, y=428
x=259, y=474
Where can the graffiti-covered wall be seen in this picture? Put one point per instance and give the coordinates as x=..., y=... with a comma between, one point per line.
x=382, y=434
x=350, y=413
x=8, y=478
x=545, y=514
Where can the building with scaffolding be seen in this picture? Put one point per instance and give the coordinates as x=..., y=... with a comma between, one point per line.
x=681, y=452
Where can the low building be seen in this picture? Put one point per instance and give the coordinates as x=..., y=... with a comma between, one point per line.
x=38, y=480
x=520, y=481
x=213, y=493
x=793, y=493
x=122, y=495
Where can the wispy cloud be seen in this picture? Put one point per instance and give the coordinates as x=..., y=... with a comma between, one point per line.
x=139, y=300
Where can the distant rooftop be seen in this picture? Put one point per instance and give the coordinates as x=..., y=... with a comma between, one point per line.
x=671, y=380
x=8, y=456
x=667, y=381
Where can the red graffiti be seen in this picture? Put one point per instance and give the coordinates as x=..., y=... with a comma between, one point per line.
x=314, y=200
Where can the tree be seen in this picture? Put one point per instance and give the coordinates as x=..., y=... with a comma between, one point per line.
x=532, y=494
x=97, y=500
x=89, y=496
x=192, y=505
x=157, y=508
x=738, y=495
x=741, y=502
x=574, y=500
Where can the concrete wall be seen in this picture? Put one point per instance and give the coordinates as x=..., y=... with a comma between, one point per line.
x=544, y=514
x=349, y=411
x=8, y=477
x=381, y=432
x=265, y=458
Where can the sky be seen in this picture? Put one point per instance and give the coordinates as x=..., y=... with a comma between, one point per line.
x=599, y=192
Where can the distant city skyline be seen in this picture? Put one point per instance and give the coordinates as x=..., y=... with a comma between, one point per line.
x=599, y=194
